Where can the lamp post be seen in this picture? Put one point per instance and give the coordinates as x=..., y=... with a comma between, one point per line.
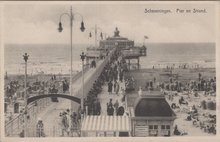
x=83, y=56
x=96, y=31
x=25, y=56
x=60, y=29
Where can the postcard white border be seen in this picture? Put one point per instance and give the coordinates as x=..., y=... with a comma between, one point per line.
x=108, y=139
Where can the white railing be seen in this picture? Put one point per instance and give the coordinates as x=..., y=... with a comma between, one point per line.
x=88, y=83
x=15, y=126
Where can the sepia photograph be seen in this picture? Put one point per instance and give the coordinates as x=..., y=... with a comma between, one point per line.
x=109, y=69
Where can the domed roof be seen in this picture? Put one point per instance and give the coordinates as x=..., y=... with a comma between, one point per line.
x=152, y=106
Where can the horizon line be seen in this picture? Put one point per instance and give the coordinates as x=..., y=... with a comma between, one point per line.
x=90, y=44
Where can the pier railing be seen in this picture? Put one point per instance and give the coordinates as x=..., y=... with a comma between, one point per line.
x=88, y=83
x=15, y=126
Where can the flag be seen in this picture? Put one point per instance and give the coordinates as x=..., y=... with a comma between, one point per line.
x=146, y=37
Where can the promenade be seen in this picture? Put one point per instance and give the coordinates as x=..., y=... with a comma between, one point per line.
x=104, y=98
x=50, y=114
x=54, y=129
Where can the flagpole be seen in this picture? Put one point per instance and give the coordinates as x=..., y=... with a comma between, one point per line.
x=145, y=37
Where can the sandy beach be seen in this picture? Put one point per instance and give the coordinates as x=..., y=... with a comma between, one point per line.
x=141, y=76
x=163, y=75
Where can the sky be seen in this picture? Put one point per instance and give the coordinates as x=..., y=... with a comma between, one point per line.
x=37, y=23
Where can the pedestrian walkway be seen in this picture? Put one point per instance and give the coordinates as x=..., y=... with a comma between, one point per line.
x=50, y=115
x=104, y=98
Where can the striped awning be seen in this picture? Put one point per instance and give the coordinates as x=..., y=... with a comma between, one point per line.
x=106, y=123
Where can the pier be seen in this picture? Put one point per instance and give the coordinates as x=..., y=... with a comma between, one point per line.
x=41, y=106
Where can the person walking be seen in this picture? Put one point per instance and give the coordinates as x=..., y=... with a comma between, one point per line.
x=120, y=111
x=121, y=75
x=110, y=103
x=68, y=115
x=116, y=105
x=140, y=92
x=98, y=107
x=114, y=85
x=65, y=124
x=110, y=87
x=110, y=110
x=117, y=87
x=64, y=86
x=74, y=124
x=40, y=128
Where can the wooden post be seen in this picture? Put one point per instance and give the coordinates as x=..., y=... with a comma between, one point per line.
x=138, y=63
x=159, y=130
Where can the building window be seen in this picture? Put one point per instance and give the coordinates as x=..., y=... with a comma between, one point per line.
x=153, y=130
x=153, y=127
x=165, y=130
x=163, y=127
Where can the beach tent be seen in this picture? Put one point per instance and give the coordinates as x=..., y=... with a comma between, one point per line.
x=105, y=126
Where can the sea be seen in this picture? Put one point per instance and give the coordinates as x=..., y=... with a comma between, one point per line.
x=55, y=59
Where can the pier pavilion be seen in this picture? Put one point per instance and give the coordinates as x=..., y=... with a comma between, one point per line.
x=126, y=46
x=116, y=41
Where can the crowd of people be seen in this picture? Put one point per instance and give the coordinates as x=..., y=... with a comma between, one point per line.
x=115, y=108
x=15, y=89
x=112, y=75
x=184, y=93
x=181, y=95
x=201, y=84
x=176, y=66
x=92, y=102
x=11, y=91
